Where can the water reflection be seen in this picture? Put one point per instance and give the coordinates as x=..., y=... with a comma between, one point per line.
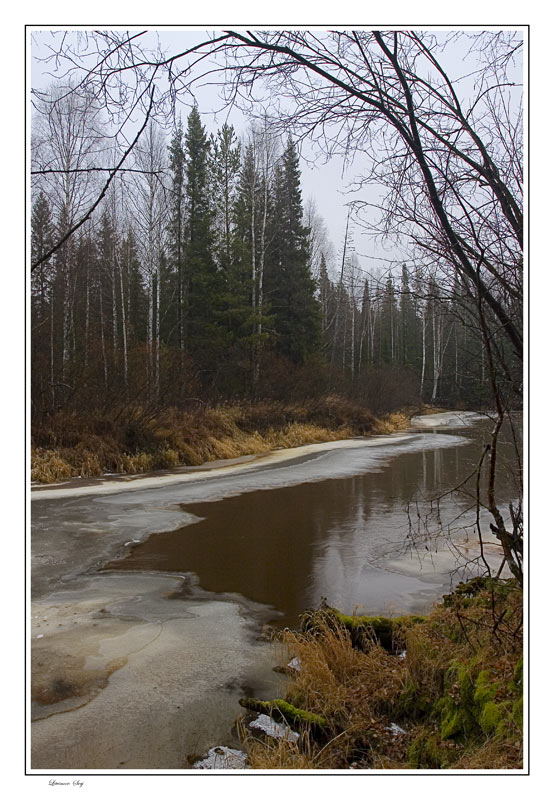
x=350, y=540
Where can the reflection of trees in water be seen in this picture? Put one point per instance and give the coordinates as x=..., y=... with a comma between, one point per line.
x=287, y=547
x=445, y=516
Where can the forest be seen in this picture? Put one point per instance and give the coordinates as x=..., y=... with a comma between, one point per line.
x=205, y=275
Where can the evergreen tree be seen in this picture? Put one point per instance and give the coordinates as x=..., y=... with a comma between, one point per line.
x=172, y=280
x=388, y=327
x=137, y=300
x=224, y=174
x=205, y=305
x=290, y=288
x=246, y=281
x=42, y=238
x=408, y=331
x=366, y=350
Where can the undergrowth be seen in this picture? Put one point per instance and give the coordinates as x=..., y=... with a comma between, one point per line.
x=135, y=441
x=442, y=692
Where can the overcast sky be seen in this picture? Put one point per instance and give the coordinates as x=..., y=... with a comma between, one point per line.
x=326, y=182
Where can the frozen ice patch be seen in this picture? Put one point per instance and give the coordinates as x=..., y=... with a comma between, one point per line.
x=274, y=729
x=447, y=419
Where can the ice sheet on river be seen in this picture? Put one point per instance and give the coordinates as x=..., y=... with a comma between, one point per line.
x=340, y=459
x=128, y=675
x=76, y=532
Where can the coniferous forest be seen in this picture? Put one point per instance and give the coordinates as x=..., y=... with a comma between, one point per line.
x=203, y=277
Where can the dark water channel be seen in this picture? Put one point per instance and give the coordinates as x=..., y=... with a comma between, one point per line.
x=375, y=542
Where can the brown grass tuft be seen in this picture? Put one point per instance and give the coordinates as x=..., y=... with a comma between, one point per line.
x=456, y=694
x=137, y=442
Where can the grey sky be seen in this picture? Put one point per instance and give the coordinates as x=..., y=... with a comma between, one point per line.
x=326, y=182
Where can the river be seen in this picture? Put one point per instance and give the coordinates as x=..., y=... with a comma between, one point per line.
x=152, y=597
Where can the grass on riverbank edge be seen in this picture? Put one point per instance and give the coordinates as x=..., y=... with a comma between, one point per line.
x=445, y=693
x=70, y=446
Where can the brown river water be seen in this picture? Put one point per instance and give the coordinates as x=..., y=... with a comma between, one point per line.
x=150, y=595
x=373, y=541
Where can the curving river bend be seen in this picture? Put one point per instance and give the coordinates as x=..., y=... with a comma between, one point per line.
x=150, y=595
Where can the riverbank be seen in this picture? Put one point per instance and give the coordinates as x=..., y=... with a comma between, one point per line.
x=443, y=691
x=109, y=633
x=70, y=446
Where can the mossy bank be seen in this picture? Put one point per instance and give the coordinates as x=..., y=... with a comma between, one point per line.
x=436, y=693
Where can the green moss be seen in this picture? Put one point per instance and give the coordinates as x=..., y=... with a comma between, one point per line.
x=363, y=629
x=427, y=752
x=280, y=709
x=457, y=722
x=469, y=707
x=297, y=715
x=456, y=708
x=490, y=717
x=485, y=689
x=517, y=712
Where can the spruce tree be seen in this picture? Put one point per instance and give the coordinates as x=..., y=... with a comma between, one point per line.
x=42, y=239
x=247, y=308
x=172, y=282
x=137, y=300
x=290, y=288
x=204, y=329
x=409, y=329
x=224, y=177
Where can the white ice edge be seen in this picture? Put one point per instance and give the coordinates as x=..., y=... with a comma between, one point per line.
x=155, y=481
x=450, y=419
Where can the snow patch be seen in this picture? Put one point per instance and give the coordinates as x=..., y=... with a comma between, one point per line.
x=395, y=729
x=222, y=758
x=274, y=729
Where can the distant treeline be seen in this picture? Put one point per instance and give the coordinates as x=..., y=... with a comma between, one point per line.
x=203, y=277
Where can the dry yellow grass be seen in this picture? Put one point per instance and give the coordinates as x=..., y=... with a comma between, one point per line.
x=47, y=466
x=178, y=437
x=392, y=422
